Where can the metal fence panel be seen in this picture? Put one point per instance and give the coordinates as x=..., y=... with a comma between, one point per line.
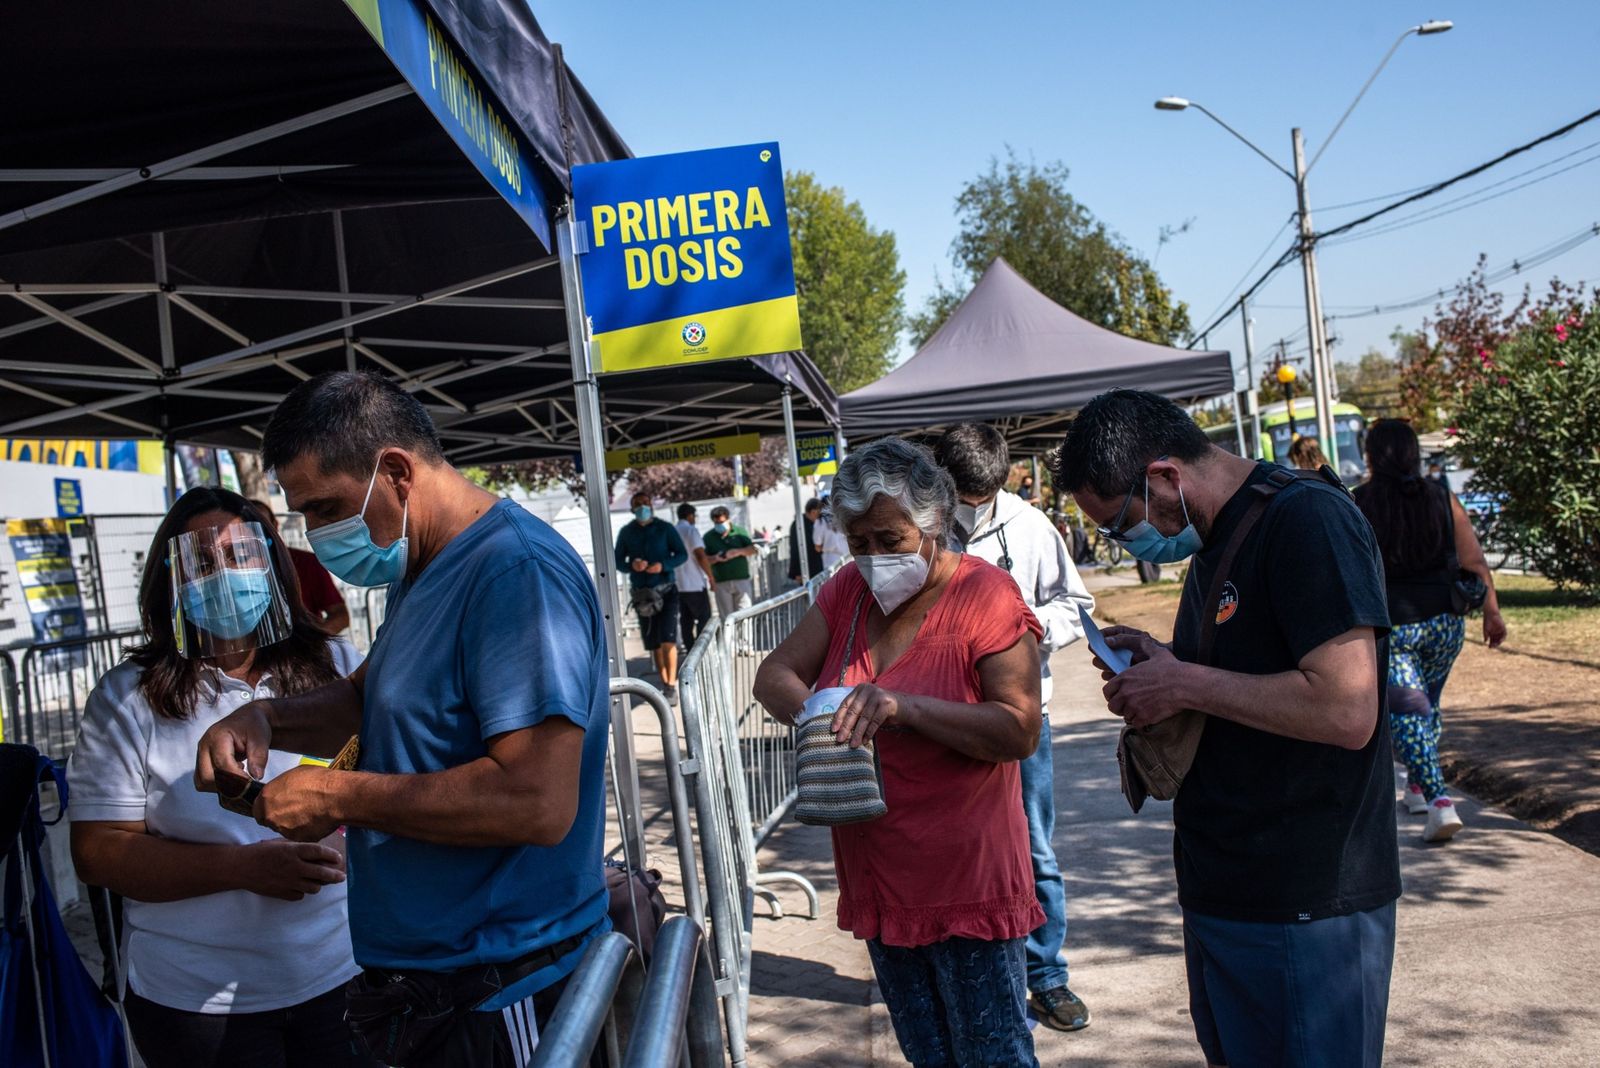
x=55, y=680
x=10, y=699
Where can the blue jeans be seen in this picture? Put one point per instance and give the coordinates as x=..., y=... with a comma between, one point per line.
x=961, y=1003
x=1047, y=963
x=1307, y=995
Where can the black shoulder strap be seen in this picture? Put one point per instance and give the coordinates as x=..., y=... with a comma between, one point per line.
x=1262, y=494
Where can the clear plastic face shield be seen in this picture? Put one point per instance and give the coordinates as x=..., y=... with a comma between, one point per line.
x=226, y=597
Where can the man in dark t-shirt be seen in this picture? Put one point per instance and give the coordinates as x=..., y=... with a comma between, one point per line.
x=1285, y=845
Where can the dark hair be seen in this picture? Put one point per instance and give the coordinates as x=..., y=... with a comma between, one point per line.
x=1410, y=517
x=976, y=456
x=1306, y=453
x=721, y=510
x=170, y=682
x=814, y=504
x=1117, y=435
x=685, y=510
x=344, y=419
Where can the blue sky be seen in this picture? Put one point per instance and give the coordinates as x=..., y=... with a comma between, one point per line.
x=900, y=103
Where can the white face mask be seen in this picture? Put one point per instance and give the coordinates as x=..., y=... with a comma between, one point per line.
x=894, y=578
x=973, y=516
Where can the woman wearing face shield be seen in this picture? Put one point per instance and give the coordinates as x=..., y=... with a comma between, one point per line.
x=236, y=944
x=942, y=655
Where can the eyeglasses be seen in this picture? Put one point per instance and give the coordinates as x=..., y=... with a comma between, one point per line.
x=1115, y=531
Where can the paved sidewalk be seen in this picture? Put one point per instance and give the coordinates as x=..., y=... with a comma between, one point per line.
x=1498, y=945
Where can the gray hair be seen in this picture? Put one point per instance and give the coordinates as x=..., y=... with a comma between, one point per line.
x=905, y=473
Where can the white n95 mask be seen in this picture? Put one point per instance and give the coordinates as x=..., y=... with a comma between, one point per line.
x=894, y=578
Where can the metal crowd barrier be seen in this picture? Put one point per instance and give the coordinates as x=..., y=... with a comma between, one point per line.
x=10, y=705
x=704, y=1032
x=658, y=1039
x=587, y=1007
x=744, y=785
x=55, y=680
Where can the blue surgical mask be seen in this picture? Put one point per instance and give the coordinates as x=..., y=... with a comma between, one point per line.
x=721, y=528
x=1147, y=543
x=229, y=603
x=643, y=513
x=346, y=548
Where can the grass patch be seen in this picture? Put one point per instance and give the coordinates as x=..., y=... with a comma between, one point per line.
x=1541, y=619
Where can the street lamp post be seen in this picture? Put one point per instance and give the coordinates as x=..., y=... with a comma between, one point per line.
x=1321, y=369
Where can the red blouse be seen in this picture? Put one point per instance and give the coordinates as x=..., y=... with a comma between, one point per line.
x=951, y=858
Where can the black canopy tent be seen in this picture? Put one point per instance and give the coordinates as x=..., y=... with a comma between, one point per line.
x=1013, y=357
x=204, y=204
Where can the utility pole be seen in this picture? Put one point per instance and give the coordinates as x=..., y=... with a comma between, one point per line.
x=1321, y=373
x=1248, y=398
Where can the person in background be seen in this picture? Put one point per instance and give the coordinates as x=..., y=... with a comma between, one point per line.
x=1427, y=539
x=237, y=941
x=730, y=550
x=797, y=538
x=1004, y=530
x=1025, y=489
x=1436, y=473
x=317, y=591
x=476, y=808
x=1285, y=849
x=831, y=542
x=943, y=658
x=695, y=579
x=651, y=551
x=1306, y=454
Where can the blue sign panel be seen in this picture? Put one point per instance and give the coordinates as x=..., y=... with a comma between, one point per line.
x=69, y=498
x=688, y=257
x=459, y=99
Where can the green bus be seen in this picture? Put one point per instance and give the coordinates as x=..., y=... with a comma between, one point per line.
x=1349, y=426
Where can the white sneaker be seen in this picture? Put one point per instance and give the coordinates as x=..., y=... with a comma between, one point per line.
x=1416, y=802
x=1443, y=821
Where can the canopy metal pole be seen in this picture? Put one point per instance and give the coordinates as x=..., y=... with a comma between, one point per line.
x=838, y=445
x=169, y=456
x=344, y=285
x=803, y=550
x=586, y=390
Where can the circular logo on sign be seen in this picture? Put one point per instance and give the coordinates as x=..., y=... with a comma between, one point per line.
x=766, y=156
x=694, y=334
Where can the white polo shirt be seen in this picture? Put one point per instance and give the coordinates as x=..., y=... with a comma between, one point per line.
x=689, y=577
x=230, y=952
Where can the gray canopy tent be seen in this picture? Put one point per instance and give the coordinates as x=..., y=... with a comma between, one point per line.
x=1011, y=356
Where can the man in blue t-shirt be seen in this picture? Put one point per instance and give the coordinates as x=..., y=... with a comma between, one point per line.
x=476, y=812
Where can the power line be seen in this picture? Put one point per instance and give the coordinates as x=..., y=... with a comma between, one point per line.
x=1293, y=250
x=1463, y=176
x=1416, y=189
x=1228, y=300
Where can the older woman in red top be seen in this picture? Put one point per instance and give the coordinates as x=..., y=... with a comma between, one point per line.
x=943, y=656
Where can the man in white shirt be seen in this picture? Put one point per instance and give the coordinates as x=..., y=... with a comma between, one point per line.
x=694, y=579
x=829, y=540
x=1008, y=532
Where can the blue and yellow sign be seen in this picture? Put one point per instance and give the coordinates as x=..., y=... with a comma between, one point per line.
x=816, y=455
x=43, y=551
x=433, y=65
x=142, y=456
x=688, y=257
x=69, y=498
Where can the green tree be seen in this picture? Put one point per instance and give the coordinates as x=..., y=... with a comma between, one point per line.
x=1025, y=213
x=848, y=277
x=1527, y=425
x=1372, y=384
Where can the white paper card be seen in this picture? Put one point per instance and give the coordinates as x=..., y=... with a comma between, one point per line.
x=1117, y=659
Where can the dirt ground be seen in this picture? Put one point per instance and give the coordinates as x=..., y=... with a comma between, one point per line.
x=1521, y=723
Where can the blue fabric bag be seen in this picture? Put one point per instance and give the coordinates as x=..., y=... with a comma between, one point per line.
x=71, y=1025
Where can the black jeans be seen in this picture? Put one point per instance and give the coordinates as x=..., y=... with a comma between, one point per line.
x=308, y=1035
x=694, y=612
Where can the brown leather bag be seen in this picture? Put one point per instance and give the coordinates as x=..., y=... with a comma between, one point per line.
x=1153, y=760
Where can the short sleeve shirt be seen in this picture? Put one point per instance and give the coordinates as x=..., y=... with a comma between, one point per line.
x=228, y=952
x=501, y=631
x=1273, y=829
x=729, y=570
x=690, y=578
x=950, y=859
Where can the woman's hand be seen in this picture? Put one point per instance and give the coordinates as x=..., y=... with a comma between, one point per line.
x=288, y=870
x=1494, y=628
x=863, y=712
